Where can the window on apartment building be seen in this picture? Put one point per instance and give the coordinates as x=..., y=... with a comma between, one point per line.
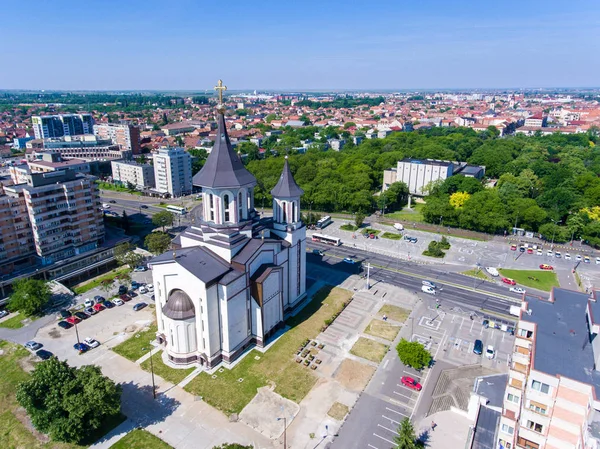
x=525, y=333
x=539, y=386
x=508, y=429
x=513, y=398
x=537, y=407
x=534, y=426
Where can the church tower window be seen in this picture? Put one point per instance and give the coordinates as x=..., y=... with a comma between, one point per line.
x=212, y=207
x=283, y=209
x=240, y=207
x=294, y=212
x=226, y=207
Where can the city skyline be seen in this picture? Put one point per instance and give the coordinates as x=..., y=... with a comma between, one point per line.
x=145, y=46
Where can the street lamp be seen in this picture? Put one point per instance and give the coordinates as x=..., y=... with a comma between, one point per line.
x=78, y=341
x=152, y=371
x=284, y=431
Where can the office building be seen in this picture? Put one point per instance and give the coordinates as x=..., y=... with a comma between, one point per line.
x=87, y=148
x=173, y=172
x=552, y=399
x=48, y=126
x=126, y=136
x=139, y=175
x=49, y=161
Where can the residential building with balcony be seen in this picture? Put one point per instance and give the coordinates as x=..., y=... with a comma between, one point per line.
x=49, y=126
x=87, y=147
x=16, y=237
x=127, y=172
x=173, y=172
x=552, y=395
x=126, y=136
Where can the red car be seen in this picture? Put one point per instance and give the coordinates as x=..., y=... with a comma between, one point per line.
x=98, y=307
x=529, y=250
x=411, y=383
x=513, y=247
x=509, y=281
x=125, y=298
x=545, y=266
x=73, y=320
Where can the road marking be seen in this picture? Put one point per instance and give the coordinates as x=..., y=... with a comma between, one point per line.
x=397, y=422
x=385, y=439
x=395, y=411
x=385, y=364
x=406, y=397
x=370, y=445
x=462, y=322
x=472, y=324
x=389, y=430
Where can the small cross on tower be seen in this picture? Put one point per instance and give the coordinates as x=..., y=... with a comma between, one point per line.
x=220, y=89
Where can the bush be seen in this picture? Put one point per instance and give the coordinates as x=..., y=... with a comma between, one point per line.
x=444, y=243
x=328, y=321
x=434, y=250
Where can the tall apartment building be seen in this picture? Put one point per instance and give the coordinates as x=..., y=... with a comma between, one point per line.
x=16, y=237
x=126, y=136
x=552, y=399
x=47, y=126
x=140, y=175
x=173, y=171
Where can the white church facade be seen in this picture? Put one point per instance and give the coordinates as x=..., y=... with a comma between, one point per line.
x=231, y=277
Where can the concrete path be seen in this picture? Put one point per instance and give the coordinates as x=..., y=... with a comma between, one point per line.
x=451, y=430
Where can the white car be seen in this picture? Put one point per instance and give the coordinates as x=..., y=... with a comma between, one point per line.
x=150, y=287
x=490, y=353
x=91, y=342
x=139, y=269
x=540, y=252
x=597, y=260
x=143, y=289
x=578, y=258
x=549, y=253
x=118, y=302
x=517, y=290
x=492, y=271
x=567, y=256
x=88, y=303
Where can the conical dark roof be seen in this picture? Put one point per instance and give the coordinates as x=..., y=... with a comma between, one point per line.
x=223, y=168
x=286, y=186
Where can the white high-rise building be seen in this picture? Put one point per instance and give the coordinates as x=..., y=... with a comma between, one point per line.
x=173, y=171
x=48, y=126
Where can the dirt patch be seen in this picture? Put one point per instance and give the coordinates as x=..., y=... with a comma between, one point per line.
x=23, y=418
x=369, y=349
x=338, y=411
x=27, y=364
x=354, y=375
x=130, y=329
x=382, y=329
x=260, y=412
x=394, y=313
x=54, y=333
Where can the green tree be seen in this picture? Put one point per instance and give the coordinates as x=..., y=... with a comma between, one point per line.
x=121, y=251
x=232, y=446
x=157, y=242
x=163, y=218
x=413, y=353
x=29, y=296
x=406, y=438
x=68, y=403
x=359, y=218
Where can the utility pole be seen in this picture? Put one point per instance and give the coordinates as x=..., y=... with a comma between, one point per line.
x=152, y=371
x=368, y=274
x=284, y=431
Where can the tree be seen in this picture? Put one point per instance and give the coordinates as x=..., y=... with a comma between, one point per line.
x=70, y=404
x=125, y=221
x=406, y=438
x=121, y=250
x=157, y=242
x=359, y=219
x=29, y=296
x=232, y=446
x=163, y=218
x=413, y=353
x=458, y=199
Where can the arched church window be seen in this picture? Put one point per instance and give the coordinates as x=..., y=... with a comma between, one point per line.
x=226, y=207
x=294, y=212
x=284, y=211
x=212, y=207
x=249, y=197
x=240, y=206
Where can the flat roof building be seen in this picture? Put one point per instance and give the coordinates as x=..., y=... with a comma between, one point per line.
x=128, y=172
x=173, y=171
x=126, y=136
x=49, y=126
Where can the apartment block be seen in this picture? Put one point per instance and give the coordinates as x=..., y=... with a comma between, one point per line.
x=553, y=390
x=126, y=136
x=173, y=171
x=49, y=126
x=88, y=148
x=16, y=236
x=140, y=175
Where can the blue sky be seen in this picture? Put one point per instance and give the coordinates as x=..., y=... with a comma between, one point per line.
x=401, y=44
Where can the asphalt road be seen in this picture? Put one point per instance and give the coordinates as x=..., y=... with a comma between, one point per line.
x=454, y=288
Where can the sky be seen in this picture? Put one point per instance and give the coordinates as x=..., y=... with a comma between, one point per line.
x=299, y=45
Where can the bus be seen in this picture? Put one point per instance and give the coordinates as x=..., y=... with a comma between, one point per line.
x=326, y=239
x=177, y=209
x=323, y=222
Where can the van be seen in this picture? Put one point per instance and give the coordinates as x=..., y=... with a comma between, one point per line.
x=428, y=290
x=398, y=227
x=429, y=284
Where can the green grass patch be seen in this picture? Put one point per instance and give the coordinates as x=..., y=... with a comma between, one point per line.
x=277, y=365
x=169, y=374
x=542, y=280
x=348, y=227
x=382, y=329
x=479, y=274
x=394, y=313
x=132, y=348
x=413, y=215
x=391, y=236
x=13, y=323
x=140, y=439
x=369, y=349
x=86, y=286
x=371, y=231
x=117, y=188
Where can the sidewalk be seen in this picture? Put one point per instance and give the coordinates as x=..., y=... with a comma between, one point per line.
x=451, y=430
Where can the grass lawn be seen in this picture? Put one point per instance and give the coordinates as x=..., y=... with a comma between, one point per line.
x=166, y=372
x=277, y=365
x=382, y=329
x=546, y=279
x=391, y=236
x=338, y=411
x=476, y=273
x=394, y=312
x=79, y=289
x=369, y=349
x=348, y=227
x=14, y=322
x=414, y=215
x=140, y=439
x=132, y=347
x=370, y=231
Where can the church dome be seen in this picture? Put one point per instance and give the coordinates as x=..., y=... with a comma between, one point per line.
x=179, y=306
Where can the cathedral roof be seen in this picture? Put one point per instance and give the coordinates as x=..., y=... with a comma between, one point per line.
x=286, y=186
x=223, y=167
x=179, y=306
x=200, y=261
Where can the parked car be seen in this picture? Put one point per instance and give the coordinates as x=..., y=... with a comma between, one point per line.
x=4, y=313
x=33, y=345
x=485, y=324
x=545, y=266
x=108, y=304
x=578, y=258
x=98, y=307
x=117, y=302
x=125, y=298
x=597, y=260
x=478, y=347
x=513, y=247
x=529, y=250
x=139, y=306
x=90, y=311
x=567, y=256
x=43, y=354
x=139, y=269
x=132, y=294
x=517, y=290
x=91, y=342
x=150, y=287
x=73, y=320
x=557, y=255
x=122, y=289
x=586, y=259
x=413, y=240
x=135, y=285
x=490, y=353
x=492, y=271
x=411, y=383
x=65, y=314
x=81, y=347
x=549, y=253
x=522, y=248
x=540, y=252
x=509, y=281
x=143, y=289
x=88, y=302
x=349, y=260
x=81, y=315
x=64, y=325
x=99, y=299
x=318, y=252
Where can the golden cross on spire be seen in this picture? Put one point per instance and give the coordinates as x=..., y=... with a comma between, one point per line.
x=220, y=89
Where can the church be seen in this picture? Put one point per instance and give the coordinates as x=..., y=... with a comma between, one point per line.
x=232, y=276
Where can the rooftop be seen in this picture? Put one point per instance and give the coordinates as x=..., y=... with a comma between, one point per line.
x=427, y=162
x=492, y=388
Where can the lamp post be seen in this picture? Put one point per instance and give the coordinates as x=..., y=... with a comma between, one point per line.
x=284, y=431
x=78, y=341
x=152, y=371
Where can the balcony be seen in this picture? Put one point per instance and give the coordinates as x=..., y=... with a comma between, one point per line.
x=521, y=368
